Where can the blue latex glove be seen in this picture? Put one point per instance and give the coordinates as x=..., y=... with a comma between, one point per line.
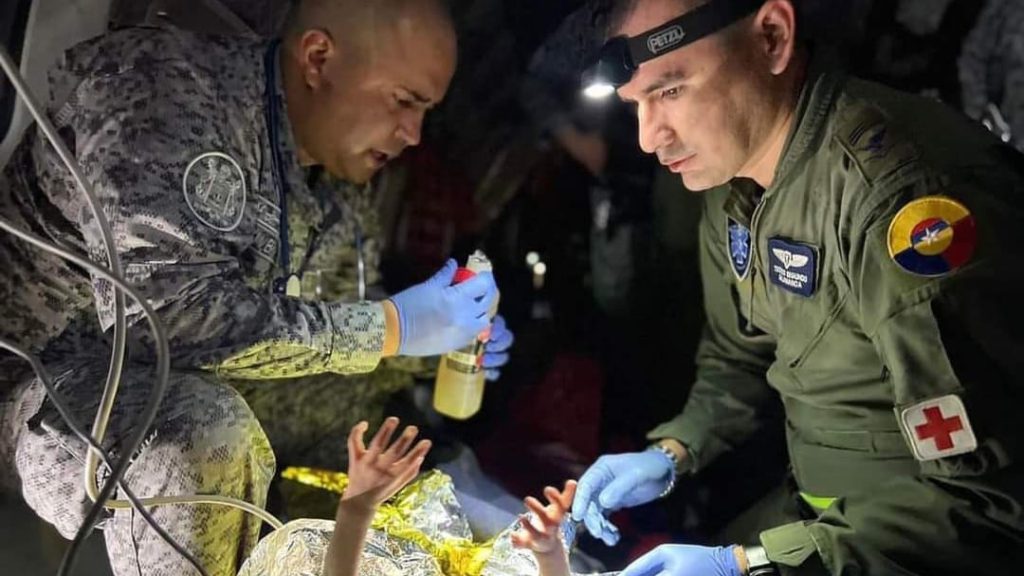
x=435, y=317
x=495, y=355
x=619, y=481
x=685, y=560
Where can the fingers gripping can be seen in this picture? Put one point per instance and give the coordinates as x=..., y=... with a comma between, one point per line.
x=459, y=388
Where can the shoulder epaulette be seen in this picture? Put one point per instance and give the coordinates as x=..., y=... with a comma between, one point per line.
x=872, y=143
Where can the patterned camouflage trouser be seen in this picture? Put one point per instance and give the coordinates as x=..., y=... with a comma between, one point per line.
x=205, y=440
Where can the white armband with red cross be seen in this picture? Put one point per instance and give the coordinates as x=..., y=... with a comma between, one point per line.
x=938, y=428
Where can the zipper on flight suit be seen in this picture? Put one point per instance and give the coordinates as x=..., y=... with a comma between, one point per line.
x=757, y=259
x=756, y=263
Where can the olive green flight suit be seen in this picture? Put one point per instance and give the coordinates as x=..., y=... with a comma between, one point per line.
x=849, y=339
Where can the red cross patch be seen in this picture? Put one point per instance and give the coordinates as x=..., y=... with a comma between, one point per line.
x=938, y=428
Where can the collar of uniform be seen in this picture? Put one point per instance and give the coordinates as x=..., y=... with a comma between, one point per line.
x=293, y=170
x=744, y=195
x=816, y=98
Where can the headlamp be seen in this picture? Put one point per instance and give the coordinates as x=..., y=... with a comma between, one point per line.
x=621, y=56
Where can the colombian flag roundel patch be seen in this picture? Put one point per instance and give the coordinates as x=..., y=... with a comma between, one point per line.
x=932, y=236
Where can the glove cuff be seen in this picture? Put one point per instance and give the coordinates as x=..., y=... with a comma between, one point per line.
x=404, y=329
x=673, y=465
x=729, y=561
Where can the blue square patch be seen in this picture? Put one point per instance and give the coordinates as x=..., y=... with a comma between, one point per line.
x=793, y=266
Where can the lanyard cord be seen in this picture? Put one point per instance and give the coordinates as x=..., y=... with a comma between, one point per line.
x=280, y=182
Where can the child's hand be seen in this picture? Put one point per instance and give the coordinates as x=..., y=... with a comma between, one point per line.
x=542, y=534
x=378, y=472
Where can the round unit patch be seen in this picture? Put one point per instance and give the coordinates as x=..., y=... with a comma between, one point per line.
x=214, y=188
x=932, y=236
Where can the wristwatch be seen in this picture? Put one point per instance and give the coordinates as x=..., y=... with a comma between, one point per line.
x=662, y=445
x=673, y=467
x=758, y=563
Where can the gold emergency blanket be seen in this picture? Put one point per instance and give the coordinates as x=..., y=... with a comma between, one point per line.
x=300, y=547
x=422, y=531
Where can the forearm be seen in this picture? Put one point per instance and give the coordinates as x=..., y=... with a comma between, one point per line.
x=726, y=402
x=223, y=326
x=553, y=563
x=351, y=523
x=716, y=418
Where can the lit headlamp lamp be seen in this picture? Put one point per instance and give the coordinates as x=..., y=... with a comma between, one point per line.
x=620, y=57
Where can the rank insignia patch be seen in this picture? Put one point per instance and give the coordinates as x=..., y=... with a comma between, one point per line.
x=938, y=428
x=792, y=266
x=214, y=189
x=739, y=249
x=932, y=236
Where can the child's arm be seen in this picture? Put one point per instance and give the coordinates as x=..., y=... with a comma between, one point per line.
x=375, y=473
x=542, y=535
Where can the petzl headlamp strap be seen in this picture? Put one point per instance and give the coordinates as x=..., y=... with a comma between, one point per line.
x=690, y=27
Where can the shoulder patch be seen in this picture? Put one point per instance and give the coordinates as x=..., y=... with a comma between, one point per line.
x=214, y=189
x=932, y=236
x=938, y=428
x=873, y=145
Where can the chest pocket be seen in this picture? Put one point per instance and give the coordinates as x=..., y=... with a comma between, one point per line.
x=808, y=339
x=807, y=321
x=797, y=323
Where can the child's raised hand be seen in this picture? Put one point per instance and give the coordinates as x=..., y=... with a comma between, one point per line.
x=378, y=472
x=541, y=533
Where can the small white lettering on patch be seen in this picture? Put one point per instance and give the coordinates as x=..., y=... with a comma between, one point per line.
x=794, y=279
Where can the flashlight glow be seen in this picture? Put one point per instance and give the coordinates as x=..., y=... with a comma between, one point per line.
x=599, y=90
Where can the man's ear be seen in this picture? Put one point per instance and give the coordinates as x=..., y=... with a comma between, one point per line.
x=775, y=25
x=315, y=48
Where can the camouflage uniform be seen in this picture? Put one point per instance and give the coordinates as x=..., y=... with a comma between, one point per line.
x=171, y=130
x=308, y=419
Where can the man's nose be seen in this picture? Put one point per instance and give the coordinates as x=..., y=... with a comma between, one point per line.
x=410, y=127
x=654, y=133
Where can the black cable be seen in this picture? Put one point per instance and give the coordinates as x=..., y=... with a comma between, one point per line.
x=121, y=288
x=69, y=419
x=112, y=274
x=153, y=403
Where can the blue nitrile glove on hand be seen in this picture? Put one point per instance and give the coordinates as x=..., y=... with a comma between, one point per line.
x=495, y=355
x=685, y=560
x=435, y=317
x=619, y=481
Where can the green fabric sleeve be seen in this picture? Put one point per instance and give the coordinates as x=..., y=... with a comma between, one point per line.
x=724, y=406
x=955, y=334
